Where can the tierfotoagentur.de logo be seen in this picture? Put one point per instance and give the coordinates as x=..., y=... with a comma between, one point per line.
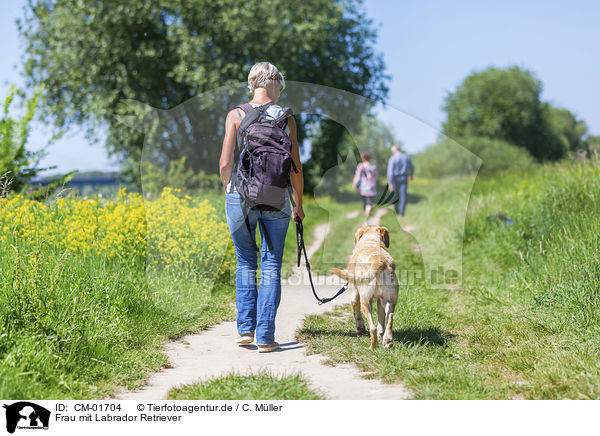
x=26, y=415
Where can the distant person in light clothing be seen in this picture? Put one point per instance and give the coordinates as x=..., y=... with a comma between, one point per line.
x=365, y=179
x=399, y=172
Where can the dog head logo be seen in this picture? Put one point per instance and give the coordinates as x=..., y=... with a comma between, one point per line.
x=26, y=415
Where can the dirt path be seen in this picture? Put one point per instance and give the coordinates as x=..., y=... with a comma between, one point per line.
x=213, y=352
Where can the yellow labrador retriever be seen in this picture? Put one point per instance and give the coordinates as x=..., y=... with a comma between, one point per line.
x=371, y=274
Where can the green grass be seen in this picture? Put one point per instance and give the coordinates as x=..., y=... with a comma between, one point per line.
x=75, y=325
x=80, y=328
x=313, y=216
x=525, y=321
x=326, y=210
x=339, y=242
x=262, y=386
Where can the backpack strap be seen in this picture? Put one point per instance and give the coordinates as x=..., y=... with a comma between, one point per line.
x=287, y=112
x=282, y=122
x=262, y=227
x=246, y=108
x=250, y=118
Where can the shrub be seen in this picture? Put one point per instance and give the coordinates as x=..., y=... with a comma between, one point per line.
x=169, y=232
x=177, y=176
x=467, y=155
x=18, y=165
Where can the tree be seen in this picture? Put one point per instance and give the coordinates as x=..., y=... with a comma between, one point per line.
x=482, y=156
x=18, y=164
x=569, y=130
x=91, y=55
x=593, y=145
x=377, y=138
x=503, y=104
x=373, y=136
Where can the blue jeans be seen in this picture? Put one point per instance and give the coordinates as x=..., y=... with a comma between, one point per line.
x=399, y=183
x=256, y=310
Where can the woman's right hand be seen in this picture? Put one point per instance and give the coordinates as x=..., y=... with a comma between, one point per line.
x=298, y=214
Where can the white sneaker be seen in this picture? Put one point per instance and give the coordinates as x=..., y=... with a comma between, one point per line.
x=245, y=338
x=268, y=348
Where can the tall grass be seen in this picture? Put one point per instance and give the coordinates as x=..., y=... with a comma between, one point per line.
x=80, y=311
x=525, y=321
x=545, y=279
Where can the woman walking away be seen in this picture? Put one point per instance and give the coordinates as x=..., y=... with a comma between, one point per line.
x=267, y=206
x=365, y=178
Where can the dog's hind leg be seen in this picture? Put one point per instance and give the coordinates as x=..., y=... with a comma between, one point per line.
x=367, y=312
x=389, y=315
x=380, y=318
x=358, y=319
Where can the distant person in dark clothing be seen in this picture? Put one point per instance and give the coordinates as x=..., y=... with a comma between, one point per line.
x=399, y=172
x=365, y=179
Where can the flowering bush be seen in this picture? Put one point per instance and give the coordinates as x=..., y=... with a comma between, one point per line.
x=170, y=232
x=186, y=233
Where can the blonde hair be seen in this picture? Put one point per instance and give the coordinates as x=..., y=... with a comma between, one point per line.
x=262, y=73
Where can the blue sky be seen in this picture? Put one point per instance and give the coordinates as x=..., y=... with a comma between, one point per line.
x=428, y=47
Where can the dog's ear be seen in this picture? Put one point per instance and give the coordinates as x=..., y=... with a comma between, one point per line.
x=359, y=234
x=385, y=236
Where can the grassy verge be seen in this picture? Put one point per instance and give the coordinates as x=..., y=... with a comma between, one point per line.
x=338, y=244
x=261, y=386
x=525, y=321
x=326, y=210
x=77, y=329
x=314, y=215
x=81, y=311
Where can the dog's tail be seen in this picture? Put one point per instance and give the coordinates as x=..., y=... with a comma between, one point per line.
x=353, y=278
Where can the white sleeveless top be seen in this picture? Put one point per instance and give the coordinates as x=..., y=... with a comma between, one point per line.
x=273, y=112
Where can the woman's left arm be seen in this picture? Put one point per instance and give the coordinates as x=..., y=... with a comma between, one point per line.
x=297, y=178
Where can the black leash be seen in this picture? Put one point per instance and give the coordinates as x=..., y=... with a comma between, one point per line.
x=302, y=248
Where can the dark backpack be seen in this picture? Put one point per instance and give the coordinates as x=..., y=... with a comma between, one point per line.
x=262, y=174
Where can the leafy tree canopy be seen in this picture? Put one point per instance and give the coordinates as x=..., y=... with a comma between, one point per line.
x=503, y=104
x=570, y=131
x=373, y=136
x=91, y=55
